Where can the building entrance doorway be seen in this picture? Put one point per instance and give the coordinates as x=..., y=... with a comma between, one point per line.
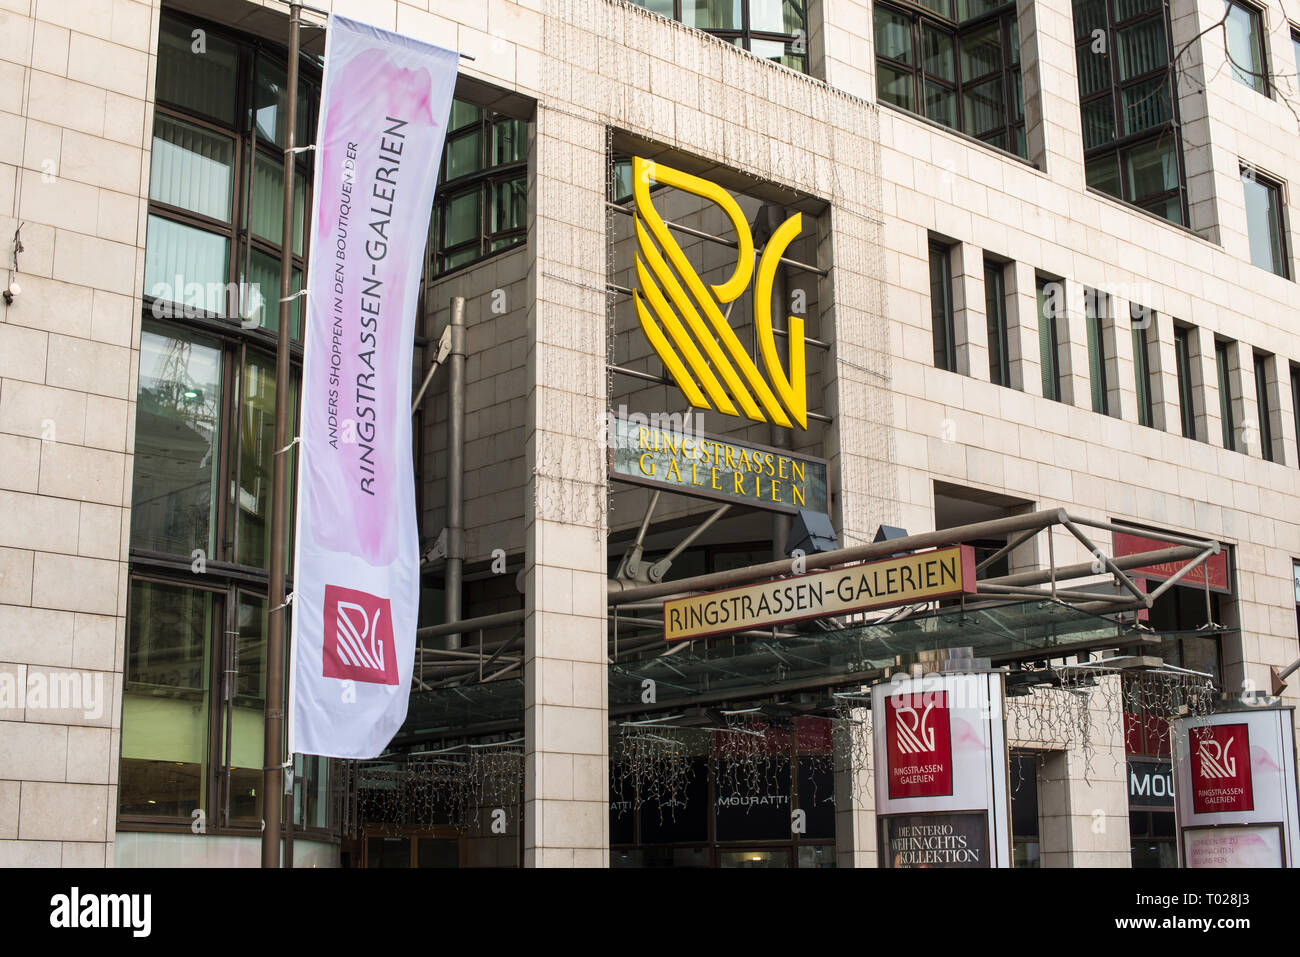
x=440, y=847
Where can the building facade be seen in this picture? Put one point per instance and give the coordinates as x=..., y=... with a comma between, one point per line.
x=1041, y=258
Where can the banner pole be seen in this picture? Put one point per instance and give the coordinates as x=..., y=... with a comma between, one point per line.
x=273, y=758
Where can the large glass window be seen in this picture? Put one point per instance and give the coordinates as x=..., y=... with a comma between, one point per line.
x=1264, y=224
x=941, y=316
x=773, y=29
x=481, y=206
x=956, y=62
x=1295, y=403
x=1129, y=114
x=194, y=696
x=1245, y=39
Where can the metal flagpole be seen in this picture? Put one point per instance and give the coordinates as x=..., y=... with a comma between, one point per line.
x=273, y=758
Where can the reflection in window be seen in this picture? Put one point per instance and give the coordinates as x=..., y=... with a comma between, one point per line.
x=1264, y=223
x=205, y=431
x=1245, y=45
x=174, y=492
x=165, y=700
x=1130, y=143
x=481, y=206
x=773, y=29
x=191, y=168
x=959, y=67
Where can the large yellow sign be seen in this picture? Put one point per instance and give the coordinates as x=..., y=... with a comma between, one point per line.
x=921, y=576
x=683, y=319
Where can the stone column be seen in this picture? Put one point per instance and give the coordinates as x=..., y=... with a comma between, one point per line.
x=566, y=769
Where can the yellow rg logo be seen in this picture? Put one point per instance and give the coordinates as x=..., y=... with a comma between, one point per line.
x=672, y=299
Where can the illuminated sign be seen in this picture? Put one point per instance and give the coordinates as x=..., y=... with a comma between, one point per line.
x=923, y=576
x=683, y=318
x=697, y=464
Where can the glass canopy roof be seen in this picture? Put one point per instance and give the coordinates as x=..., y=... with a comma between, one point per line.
x=732, y=669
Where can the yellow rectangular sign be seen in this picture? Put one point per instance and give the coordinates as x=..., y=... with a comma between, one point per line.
x=922, y=576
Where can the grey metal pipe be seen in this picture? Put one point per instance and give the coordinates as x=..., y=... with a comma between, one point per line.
x=453, y=575
x=621, y=595
x=501, y=618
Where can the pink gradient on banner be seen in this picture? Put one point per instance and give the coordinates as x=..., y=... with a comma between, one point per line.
x=366, y=519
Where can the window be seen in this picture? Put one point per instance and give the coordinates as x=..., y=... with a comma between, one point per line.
x=1245, y=36
x=1263, y=396
x=941, y=318
x=1142, y=320
x=1129, y=116
x=1295, y=580
x=1025, y=829
x=1222, y=367
x=995, y=311
x=1183, y=369
x=1295, y=47
x=776, y=30
x=1264, y=222
x=1050, y=295
x=956, y=62
x=194, y=689
x=481, y=205
x=1295, y=402
x=1097, y=351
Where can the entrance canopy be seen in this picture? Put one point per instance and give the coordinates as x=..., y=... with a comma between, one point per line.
x=1033, y=616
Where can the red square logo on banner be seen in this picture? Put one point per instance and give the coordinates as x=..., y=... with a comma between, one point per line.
x=1221, y=769
x=918, y=739
x=359, y=637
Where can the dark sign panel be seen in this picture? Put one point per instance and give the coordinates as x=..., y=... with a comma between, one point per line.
x=1150, y=784
x=937, y=840
x=697, y=464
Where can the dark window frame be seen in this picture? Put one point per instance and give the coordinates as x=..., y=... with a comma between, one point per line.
x=225, y=577
x=1096, y=315
x=1259, y=40
x=1049, y=327
x=1186, y=385
x=1012, y=130
x=1264, y=405
x=1122, y=144
x=1223, y=373
x=1278, y=221
x=996, y=320
x=943, y=328
x=746, y=34
x=1142, y=362
x=482, y=182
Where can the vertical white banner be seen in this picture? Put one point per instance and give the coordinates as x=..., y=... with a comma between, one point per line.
x=383, y=117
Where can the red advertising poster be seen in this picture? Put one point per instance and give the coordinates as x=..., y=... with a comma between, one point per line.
x=1215, y=565
x=1221, y=769
x=918, y=737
